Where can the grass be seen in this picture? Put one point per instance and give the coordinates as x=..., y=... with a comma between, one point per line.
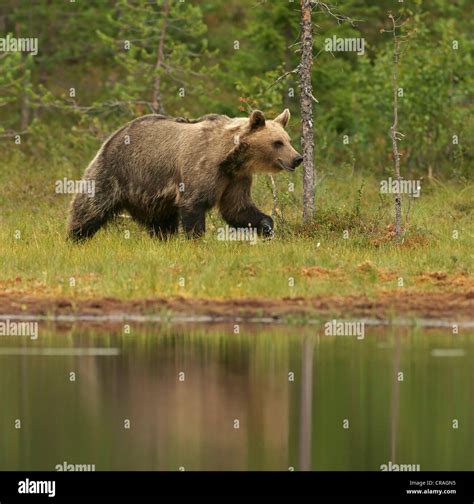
x=348, y=249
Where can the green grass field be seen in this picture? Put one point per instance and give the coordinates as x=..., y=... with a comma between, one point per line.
x=321, y=258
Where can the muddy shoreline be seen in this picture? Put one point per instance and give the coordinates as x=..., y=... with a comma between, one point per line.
x=439, y=305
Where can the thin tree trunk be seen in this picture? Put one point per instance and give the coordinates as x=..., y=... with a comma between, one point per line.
x=289, y=37
x=307, y=139
x=275, y=197
x=25, y=111
x=156, y=101
x=393, y=134
x=430, y=155
x=24, y=102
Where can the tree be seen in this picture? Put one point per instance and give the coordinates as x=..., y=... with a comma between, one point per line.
x=160, y=52
x=156, y=101
x=15, y=92
x=307, y=98
x=306, y=102
x=394, y=133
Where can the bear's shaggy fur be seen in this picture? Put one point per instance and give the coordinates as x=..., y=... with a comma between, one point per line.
x=164, y=170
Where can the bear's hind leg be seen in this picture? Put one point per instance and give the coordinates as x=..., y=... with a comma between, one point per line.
x=164, y=225
x=87, y=215
x=194, y=220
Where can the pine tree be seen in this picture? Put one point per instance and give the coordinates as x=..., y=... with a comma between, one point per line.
x=160, y=54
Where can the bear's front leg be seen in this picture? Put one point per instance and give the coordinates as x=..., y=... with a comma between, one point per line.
x=266, y=226
x=194, y=221
x=239, y=210
x=252, y=217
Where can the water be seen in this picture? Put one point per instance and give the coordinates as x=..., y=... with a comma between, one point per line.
x=269, y=398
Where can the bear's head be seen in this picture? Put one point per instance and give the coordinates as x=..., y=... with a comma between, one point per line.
x=269, y=146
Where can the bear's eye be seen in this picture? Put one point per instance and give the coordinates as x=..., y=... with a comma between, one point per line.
x=277, y=144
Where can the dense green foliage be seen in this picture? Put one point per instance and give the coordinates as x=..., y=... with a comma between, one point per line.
x=97, y=67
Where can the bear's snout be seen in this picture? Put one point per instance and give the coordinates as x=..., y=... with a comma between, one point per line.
x=296, y=161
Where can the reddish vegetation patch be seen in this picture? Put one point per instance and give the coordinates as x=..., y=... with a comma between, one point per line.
x=440, y=305
x=382, y=274
x=388, y=235
x=319, y=272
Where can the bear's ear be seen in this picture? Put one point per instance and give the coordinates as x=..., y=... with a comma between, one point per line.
x=283, y=118
x=257, y=120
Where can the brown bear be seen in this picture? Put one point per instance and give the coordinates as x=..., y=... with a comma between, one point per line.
x=162, y=170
